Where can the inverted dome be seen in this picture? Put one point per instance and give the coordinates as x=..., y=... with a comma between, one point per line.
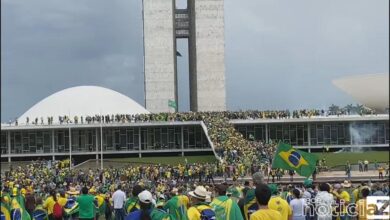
x=371, y=90
x=82, y=101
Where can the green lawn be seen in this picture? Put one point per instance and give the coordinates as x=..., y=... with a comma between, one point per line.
x=335, y=159
x=332, y=159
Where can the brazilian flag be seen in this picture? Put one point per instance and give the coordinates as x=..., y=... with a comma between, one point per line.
x=288, y=158
x=172, y=104
x=5, y=212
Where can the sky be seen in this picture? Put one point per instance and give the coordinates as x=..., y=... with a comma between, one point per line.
x=279, y=54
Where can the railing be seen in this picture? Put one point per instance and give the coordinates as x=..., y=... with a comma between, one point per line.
x=209, y=140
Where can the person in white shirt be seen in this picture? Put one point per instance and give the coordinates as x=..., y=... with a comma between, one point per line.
x=323, y=202
x=119, y=199
x=298, y=206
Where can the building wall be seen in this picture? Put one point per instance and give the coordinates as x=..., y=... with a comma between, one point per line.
x=159, y=55
x=207, y=55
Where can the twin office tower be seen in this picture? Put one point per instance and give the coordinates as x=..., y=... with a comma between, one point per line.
x=202, y=23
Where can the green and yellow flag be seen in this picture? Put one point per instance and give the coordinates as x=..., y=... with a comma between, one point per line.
x=288, y=158
x=172, y=104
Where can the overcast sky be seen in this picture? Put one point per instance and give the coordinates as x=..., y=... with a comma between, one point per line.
x=279, y=54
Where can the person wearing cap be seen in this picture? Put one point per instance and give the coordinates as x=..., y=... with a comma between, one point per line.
x=176, y=206
x=341, y=194
x=225, y=208
x=198, y=203
x=278, y=204
x=251, y=205
x=263, y=195
x=87, y=205
x=146, y=211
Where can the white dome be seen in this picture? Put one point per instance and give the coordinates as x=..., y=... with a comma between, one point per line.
x=371, y=90
x=82, y=101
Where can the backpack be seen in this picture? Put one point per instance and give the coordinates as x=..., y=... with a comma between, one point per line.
x=207, y=214
x=57, y=210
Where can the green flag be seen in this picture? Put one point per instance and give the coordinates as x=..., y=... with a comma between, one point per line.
x=226, y=209
x=172, y=104
x=288, y=158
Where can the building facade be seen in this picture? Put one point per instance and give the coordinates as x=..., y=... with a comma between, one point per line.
x=202, y=23
x=31, y=141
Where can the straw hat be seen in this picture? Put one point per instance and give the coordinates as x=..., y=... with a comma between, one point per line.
x=346, y=184
x=72, y=191
x=200, y=193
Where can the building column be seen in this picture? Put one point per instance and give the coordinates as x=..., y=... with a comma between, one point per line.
x=9, y=145
x=182, y=141
x=266, y=133
x=96, y=147
x=70, y=148
x=308, y=134
x=53, y=144
x=350, y=134
x=139, y=140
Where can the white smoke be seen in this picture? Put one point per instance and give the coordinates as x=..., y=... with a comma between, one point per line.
x=359, y=134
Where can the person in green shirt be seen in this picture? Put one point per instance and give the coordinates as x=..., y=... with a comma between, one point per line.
x=87, y=205
x=250, y=204
x=225, y=208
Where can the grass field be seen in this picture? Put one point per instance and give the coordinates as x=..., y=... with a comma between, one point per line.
x=332, y=159
x=168, y=160
x=335, y=159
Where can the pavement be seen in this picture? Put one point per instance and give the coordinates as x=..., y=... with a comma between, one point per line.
x=330, y=177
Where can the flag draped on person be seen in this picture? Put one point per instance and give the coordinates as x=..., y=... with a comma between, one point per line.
x=177, y=208
x=18, y=211
x=288, y=158
x=5, y=212
x=226, y=209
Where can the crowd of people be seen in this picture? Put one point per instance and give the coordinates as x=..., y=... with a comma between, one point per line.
x=198, y=116
x=173, y=192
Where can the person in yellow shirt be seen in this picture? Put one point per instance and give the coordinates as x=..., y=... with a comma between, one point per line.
x=381, y=170
x=361, y=205
x=198, y=203
x=278, y=204
x=49, y=203
x=183, y=198
x=343, y=197
x=62, y=200
x=263, y=195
